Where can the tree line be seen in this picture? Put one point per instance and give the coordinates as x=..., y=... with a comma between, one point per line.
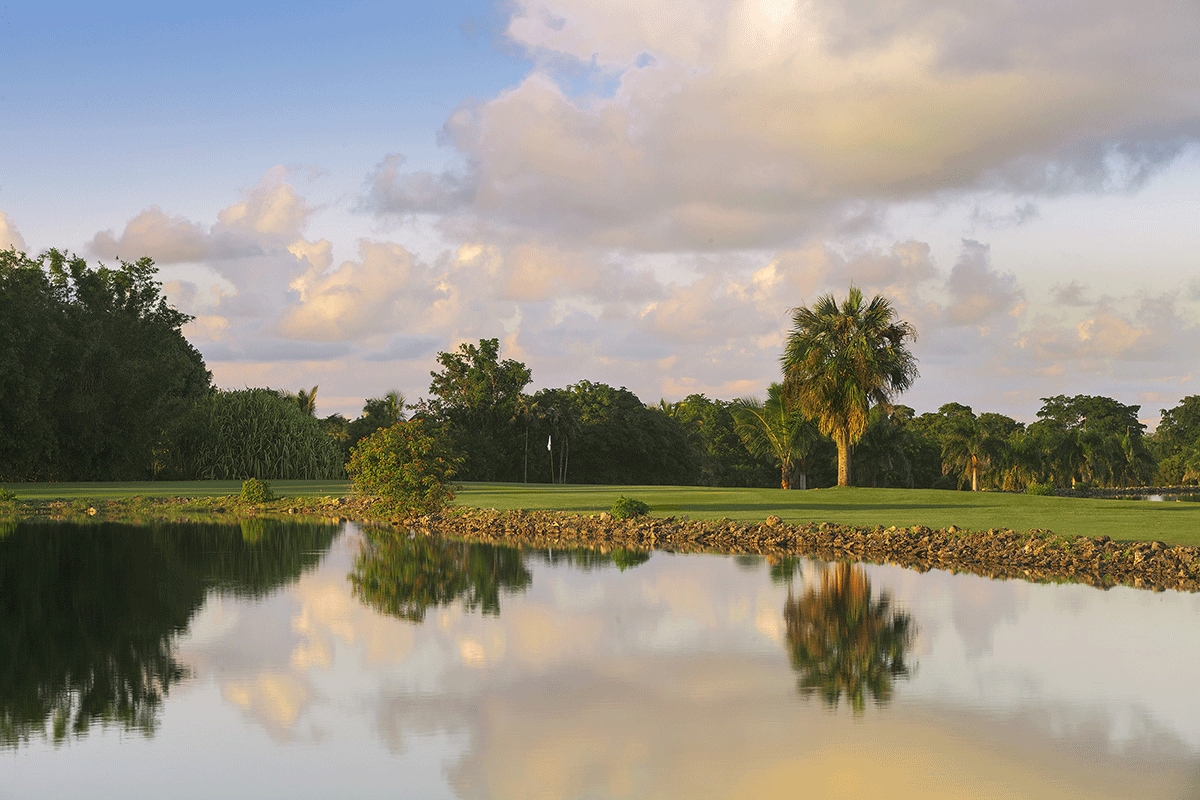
x=98, y=382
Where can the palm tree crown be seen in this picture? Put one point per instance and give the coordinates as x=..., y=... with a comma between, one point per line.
x=841, y=360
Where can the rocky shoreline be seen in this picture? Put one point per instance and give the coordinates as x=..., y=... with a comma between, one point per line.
x=1038, y=556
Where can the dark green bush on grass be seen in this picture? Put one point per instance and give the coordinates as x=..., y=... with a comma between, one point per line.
x=256, y=491
x=407, y=468
x=1044, y=489
x=7, y=496
x=625, y=508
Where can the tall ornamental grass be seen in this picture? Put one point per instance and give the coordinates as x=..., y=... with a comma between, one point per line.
x=251, y=433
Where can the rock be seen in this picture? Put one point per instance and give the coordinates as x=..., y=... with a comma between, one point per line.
x=605, y=516
x=773, y=520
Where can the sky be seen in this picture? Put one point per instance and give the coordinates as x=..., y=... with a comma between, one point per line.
x=633, y=192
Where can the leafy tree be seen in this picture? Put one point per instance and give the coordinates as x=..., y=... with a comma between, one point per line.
x=712, y=430
x=599, y=434
x=1092, y=439
x=478, y=397
x=841, y=360
x=775, y=431
x=250, y=433
x=844, y=640
x=406, y=576
x=407, y=468
x=1176, y=443
x=973, y=446
x=93, y=368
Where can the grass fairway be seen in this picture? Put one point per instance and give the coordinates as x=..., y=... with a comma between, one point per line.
x=1175, y=523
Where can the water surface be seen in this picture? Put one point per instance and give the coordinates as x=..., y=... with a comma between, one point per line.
x=274, y=660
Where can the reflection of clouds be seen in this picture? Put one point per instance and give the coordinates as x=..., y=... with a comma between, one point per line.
x=275, y=700
x=670, y=680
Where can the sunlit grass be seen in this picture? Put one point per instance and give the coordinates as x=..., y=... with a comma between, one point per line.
x=1176, y=523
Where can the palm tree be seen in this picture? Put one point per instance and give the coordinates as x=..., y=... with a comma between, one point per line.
x=840, y=360
x=772, y=430
x=307, y=401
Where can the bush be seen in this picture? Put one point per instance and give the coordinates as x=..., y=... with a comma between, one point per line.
x=256, y=491
x=625, y=508
x=1039, y=488
x=407, y=469
x=7, y=496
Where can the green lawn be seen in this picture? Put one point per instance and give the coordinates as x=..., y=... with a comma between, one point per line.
x=1176, y=523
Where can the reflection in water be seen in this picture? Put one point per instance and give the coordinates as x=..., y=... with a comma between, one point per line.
x=89, y=614
x=405, y=576
x=844, y=640
x=587, y=560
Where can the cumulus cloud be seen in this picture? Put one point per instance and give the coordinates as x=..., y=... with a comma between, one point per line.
x=165, y=238
x=10, y=237
x=743, y=123
x=977, y=292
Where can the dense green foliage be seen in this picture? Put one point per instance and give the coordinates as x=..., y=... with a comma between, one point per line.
x=89, y=614
x=477, y=397
x=93, y=367
x=840, y=361
x=595, y=433
x=1177, y=444
x=724, y=456
x=407, y=468
x=250, y=433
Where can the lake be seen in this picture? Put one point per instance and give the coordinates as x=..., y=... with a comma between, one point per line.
x=273, y=660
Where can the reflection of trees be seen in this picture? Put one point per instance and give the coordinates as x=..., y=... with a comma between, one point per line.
x=88, y=614
x=845, y=641
x=405, y=576
x=586, y=559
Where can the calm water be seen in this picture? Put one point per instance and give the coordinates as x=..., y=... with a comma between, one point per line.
x=308, y=661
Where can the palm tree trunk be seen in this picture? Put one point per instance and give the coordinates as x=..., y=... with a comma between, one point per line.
x=974, y=478
x=843, y=447
x=803, y=480
x=785, y=476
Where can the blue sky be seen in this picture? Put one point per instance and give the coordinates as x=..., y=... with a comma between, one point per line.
x=633, y=192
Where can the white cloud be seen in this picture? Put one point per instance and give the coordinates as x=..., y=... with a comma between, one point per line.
x=10, y=237
x=748, y=123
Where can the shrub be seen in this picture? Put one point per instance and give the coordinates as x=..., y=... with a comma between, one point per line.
x=1039, y=488
x=407, y=469
x=626, y=508
x=7, y=496
x=256, y=491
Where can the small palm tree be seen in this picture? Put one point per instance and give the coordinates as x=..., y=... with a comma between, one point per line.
x=841, y=360
x=772, y=430
x=307, y=401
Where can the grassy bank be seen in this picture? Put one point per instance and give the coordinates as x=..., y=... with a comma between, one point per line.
x=1174, y=523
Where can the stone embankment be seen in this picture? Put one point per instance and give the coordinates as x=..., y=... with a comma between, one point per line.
x=1036, y=555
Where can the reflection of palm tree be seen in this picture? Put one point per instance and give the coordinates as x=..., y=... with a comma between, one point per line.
x=405, y=576
x=842, y=640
